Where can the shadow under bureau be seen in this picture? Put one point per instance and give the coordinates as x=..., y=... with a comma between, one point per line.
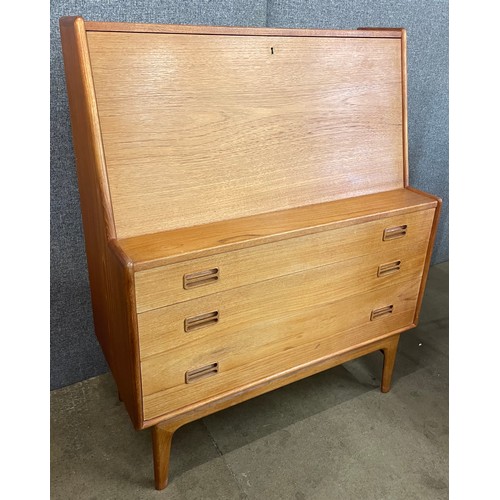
x=247, y=214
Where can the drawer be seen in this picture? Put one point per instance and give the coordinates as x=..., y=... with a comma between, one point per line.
x=270, y=344
x=207, y=319
x=204, y=276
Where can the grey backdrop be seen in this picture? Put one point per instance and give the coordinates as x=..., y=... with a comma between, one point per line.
x=75, y=353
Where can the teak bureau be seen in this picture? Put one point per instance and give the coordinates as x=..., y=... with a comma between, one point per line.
x=245, y=200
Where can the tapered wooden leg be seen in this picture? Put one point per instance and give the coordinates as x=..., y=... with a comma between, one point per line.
x=162, y=440
x=389, y=360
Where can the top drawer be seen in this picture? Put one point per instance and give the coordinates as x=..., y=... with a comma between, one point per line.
x=198, y=277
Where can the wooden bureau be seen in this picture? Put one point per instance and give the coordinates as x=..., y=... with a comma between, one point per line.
x=247, y=214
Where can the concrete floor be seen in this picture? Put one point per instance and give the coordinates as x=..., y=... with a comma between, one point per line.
x=330, y=436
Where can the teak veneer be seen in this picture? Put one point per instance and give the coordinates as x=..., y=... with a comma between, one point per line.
x=245, y=201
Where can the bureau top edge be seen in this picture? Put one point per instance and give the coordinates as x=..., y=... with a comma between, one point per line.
x=239, y=30
x=158, y=249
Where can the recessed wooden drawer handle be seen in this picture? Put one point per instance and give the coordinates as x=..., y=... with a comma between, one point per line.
x=200, y=321
x=391, y=233
x=377, y=313
x=202, y=372
x=390, y=267
x=201, y=278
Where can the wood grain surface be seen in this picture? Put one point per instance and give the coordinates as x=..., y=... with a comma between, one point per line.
x=204, y=128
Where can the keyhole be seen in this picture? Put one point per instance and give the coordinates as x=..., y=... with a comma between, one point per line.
x=272, y=50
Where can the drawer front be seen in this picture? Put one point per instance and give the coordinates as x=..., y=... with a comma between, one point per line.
x=200, y=277
x=270, y=344
x=200, y=321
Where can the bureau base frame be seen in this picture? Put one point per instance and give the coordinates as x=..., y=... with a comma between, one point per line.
x=163, y=432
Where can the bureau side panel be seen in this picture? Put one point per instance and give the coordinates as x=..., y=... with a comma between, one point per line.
x=122, y=328
x=200, y=128
x=430, y=248
x=109, y=285
x=97, y=220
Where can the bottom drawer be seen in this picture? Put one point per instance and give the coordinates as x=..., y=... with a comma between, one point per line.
x=269, y=347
